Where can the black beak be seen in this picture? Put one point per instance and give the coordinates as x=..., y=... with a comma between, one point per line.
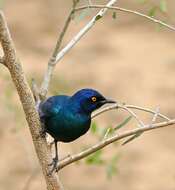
x=108, y=101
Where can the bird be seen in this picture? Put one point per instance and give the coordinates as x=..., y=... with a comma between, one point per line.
x=66, y=118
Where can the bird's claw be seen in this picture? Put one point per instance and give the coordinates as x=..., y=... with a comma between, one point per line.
x=42, y=133
x=54, y=165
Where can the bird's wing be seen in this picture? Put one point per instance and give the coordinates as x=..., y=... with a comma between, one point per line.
x=50, y=107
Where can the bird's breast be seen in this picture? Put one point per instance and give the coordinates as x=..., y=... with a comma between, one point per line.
x=76, y=126
x=67, y=127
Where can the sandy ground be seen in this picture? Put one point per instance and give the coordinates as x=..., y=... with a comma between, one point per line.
x=126, y=59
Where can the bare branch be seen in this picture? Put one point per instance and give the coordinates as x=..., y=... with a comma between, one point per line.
x=58, y=55
x=84, y=30
x=128, y=11
x=134, y=133
x=118, y=106
x=149, y=111
x=155, y=116
x=140, y=122
x=28, y=103
x=105, y=142
x=52, y=61
x=128, y=109
x=139, y=133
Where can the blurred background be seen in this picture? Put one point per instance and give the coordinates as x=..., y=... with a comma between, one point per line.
x=128, y=59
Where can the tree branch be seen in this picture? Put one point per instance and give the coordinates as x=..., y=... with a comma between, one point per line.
x=84, y=30
x=14, y=66
x=134, y=133
x=58, y=55
x=118, y=106
x=52, y=61
x=105, y=142
x=127, y=11
x=28, y=103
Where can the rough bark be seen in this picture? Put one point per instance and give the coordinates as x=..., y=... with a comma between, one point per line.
x=15, y=68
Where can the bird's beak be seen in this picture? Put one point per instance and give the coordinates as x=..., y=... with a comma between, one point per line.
x=108, y=101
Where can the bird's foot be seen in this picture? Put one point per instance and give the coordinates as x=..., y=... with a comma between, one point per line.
x=42, y=132
x=54, y=165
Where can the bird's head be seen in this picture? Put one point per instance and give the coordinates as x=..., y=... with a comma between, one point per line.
x=88, y=100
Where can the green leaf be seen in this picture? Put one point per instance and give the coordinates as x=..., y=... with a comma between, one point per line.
x=123, y=123
x=114, y=16
x=98, y=17
x=132, y=138
x=104, y=133
x=163, y=6
x=110, y=130
x=95, y=159
x=152, y=11
x=111, y=168
x=94, y=128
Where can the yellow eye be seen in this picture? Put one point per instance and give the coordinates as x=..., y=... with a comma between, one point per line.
x=94, y=99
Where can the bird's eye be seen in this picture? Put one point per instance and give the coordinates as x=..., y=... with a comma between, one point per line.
x=94, y=99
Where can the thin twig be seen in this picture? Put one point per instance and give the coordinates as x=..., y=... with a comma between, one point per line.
x=128, y=108
x=84, y=30
x=117, y=106
x=140, y=133
x=155, y=116
x=148, y=110
x=105, y=142
x=140, y=122
x=127, y=11
x=58, y=55
x=123, y=123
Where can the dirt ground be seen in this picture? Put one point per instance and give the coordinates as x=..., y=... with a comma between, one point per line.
x=128, y=59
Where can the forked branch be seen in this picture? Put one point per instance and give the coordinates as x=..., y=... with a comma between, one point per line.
x=57, y=55
x=115, y=8
x=73, y=158
x=134, y=133
x=28, y=103
x=15, y=68
x=52, y=61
